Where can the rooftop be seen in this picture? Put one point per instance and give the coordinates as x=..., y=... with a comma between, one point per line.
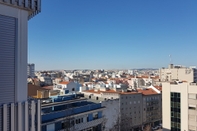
x=32, y=6
x=147, y=91
x=65, y=82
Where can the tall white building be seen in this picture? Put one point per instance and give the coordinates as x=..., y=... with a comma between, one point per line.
x=14, y=105
x=31, y=70
x=179, y=106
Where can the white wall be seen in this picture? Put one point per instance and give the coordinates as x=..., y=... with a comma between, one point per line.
x=166, y=109
x=111, y=113
x=21, y=53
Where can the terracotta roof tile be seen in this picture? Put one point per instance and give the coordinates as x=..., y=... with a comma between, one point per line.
x=148, y=91
x=65, y=82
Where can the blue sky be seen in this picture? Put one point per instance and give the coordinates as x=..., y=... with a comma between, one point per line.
x=113, y=34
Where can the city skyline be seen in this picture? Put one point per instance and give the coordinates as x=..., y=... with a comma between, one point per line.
x=113, y=34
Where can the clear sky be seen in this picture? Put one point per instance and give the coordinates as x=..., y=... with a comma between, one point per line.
x=113, y=34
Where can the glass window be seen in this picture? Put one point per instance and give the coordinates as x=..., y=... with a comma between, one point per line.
x=172, y=124
x=172, y=94
x=172, y=114
x=178, y=115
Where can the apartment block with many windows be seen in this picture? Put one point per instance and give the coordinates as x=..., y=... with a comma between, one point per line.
x=179, y=103
x=71, y=113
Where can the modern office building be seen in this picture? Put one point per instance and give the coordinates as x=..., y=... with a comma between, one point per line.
x=30, y=70
x=178, y=72
x=71, y=113
x=14, y=107
x=179, y=103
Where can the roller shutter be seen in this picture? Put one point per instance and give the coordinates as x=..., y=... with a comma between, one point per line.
x=7, y=58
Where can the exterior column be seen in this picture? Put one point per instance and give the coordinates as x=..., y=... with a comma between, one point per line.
x=5, y=126
x=38, y=116
x=13, y=117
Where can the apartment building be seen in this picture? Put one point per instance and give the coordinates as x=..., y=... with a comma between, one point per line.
x=136, y=108
x=30, y=70
x=71, y=113
x=16, y=112
x=178, y=72
x=179, y=106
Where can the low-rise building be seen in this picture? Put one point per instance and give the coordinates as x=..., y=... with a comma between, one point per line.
x=73, y=113
x=67, y=87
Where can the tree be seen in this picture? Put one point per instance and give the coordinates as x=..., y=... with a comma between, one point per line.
x=123, y=124
x=147, y=128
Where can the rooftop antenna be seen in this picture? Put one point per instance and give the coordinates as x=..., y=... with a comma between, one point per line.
x=170, y=59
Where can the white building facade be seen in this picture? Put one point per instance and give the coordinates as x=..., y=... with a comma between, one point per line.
x=179, y=103
x=14, y=109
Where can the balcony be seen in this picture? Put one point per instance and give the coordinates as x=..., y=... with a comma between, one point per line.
x=47, y=117
x=86, y=125
x=32, y=6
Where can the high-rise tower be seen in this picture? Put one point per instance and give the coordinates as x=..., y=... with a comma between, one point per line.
x=31, y=70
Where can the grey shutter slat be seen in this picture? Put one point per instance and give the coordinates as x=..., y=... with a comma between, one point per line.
x=7, y=58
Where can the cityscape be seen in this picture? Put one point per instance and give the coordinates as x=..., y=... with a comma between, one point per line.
x=94, y=96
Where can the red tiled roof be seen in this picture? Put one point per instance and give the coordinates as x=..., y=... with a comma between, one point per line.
x=48, y=87
x=148, y=91
x=110, y=91
x=98, y=92
x=65, y=82
x=158, y=88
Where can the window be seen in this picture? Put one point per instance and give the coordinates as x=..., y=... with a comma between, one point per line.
x=175, y=111
x=87, y=119
x=172, y=114
x=95, y=115
x=192, y=108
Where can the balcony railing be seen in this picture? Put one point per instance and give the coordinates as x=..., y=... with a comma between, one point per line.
x=68, y=112
x=86, y=125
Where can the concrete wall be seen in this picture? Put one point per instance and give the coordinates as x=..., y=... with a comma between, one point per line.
x=177, y=73
x=166, y=111
x=21, y=51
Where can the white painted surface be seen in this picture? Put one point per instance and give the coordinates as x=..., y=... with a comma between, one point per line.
x=166, y=113
x=21, y=52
